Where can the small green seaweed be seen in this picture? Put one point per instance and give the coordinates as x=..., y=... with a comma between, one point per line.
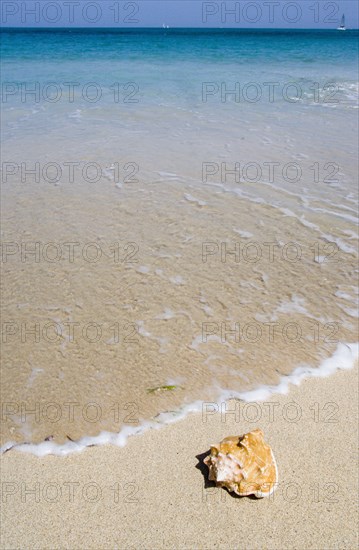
x=162, y=388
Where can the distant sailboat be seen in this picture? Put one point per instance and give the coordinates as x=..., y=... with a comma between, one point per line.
x=342, y=26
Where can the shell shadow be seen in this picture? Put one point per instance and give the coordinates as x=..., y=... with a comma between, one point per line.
x=204, y=470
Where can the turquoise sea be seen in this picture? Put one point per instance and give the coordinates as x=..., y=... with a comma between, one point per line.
x=199, y=85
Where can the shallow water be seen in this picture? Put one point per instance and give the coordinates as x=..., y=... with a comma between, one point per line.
x=133, y=257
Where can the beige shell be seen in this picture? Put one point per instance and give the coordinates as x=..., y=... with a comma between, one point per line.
x=244, y=464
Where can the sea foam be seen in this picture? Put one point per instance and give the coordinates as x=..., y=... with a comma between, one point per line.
x=344, y=358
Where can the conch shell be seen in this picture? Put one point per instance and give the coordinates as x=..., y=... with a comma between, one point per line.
x=244, y=464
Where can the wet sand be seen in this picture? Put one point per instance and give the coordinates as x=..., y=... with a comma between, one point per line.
x=87, y=334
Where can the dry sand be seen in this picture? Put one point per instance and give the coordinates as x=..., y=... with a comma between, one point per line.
x=152, y=494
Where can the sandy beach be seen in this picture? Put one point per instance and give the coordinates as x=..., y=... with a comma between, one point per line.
x=154, y=493
x=179, y=264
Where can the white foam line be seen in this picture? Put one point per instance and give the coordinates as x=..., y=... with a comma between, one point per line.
x=344, y=358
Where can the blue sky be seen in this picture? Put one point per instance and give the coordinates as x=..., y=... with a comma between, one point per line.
x=323, y=14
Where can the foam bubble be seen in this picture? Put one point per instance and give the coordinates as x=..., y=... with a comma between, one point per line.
x=143, y=269
x=177, y=280
x=243, y=234
x=296, y=305
x=167, y=314
x=190, y=198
